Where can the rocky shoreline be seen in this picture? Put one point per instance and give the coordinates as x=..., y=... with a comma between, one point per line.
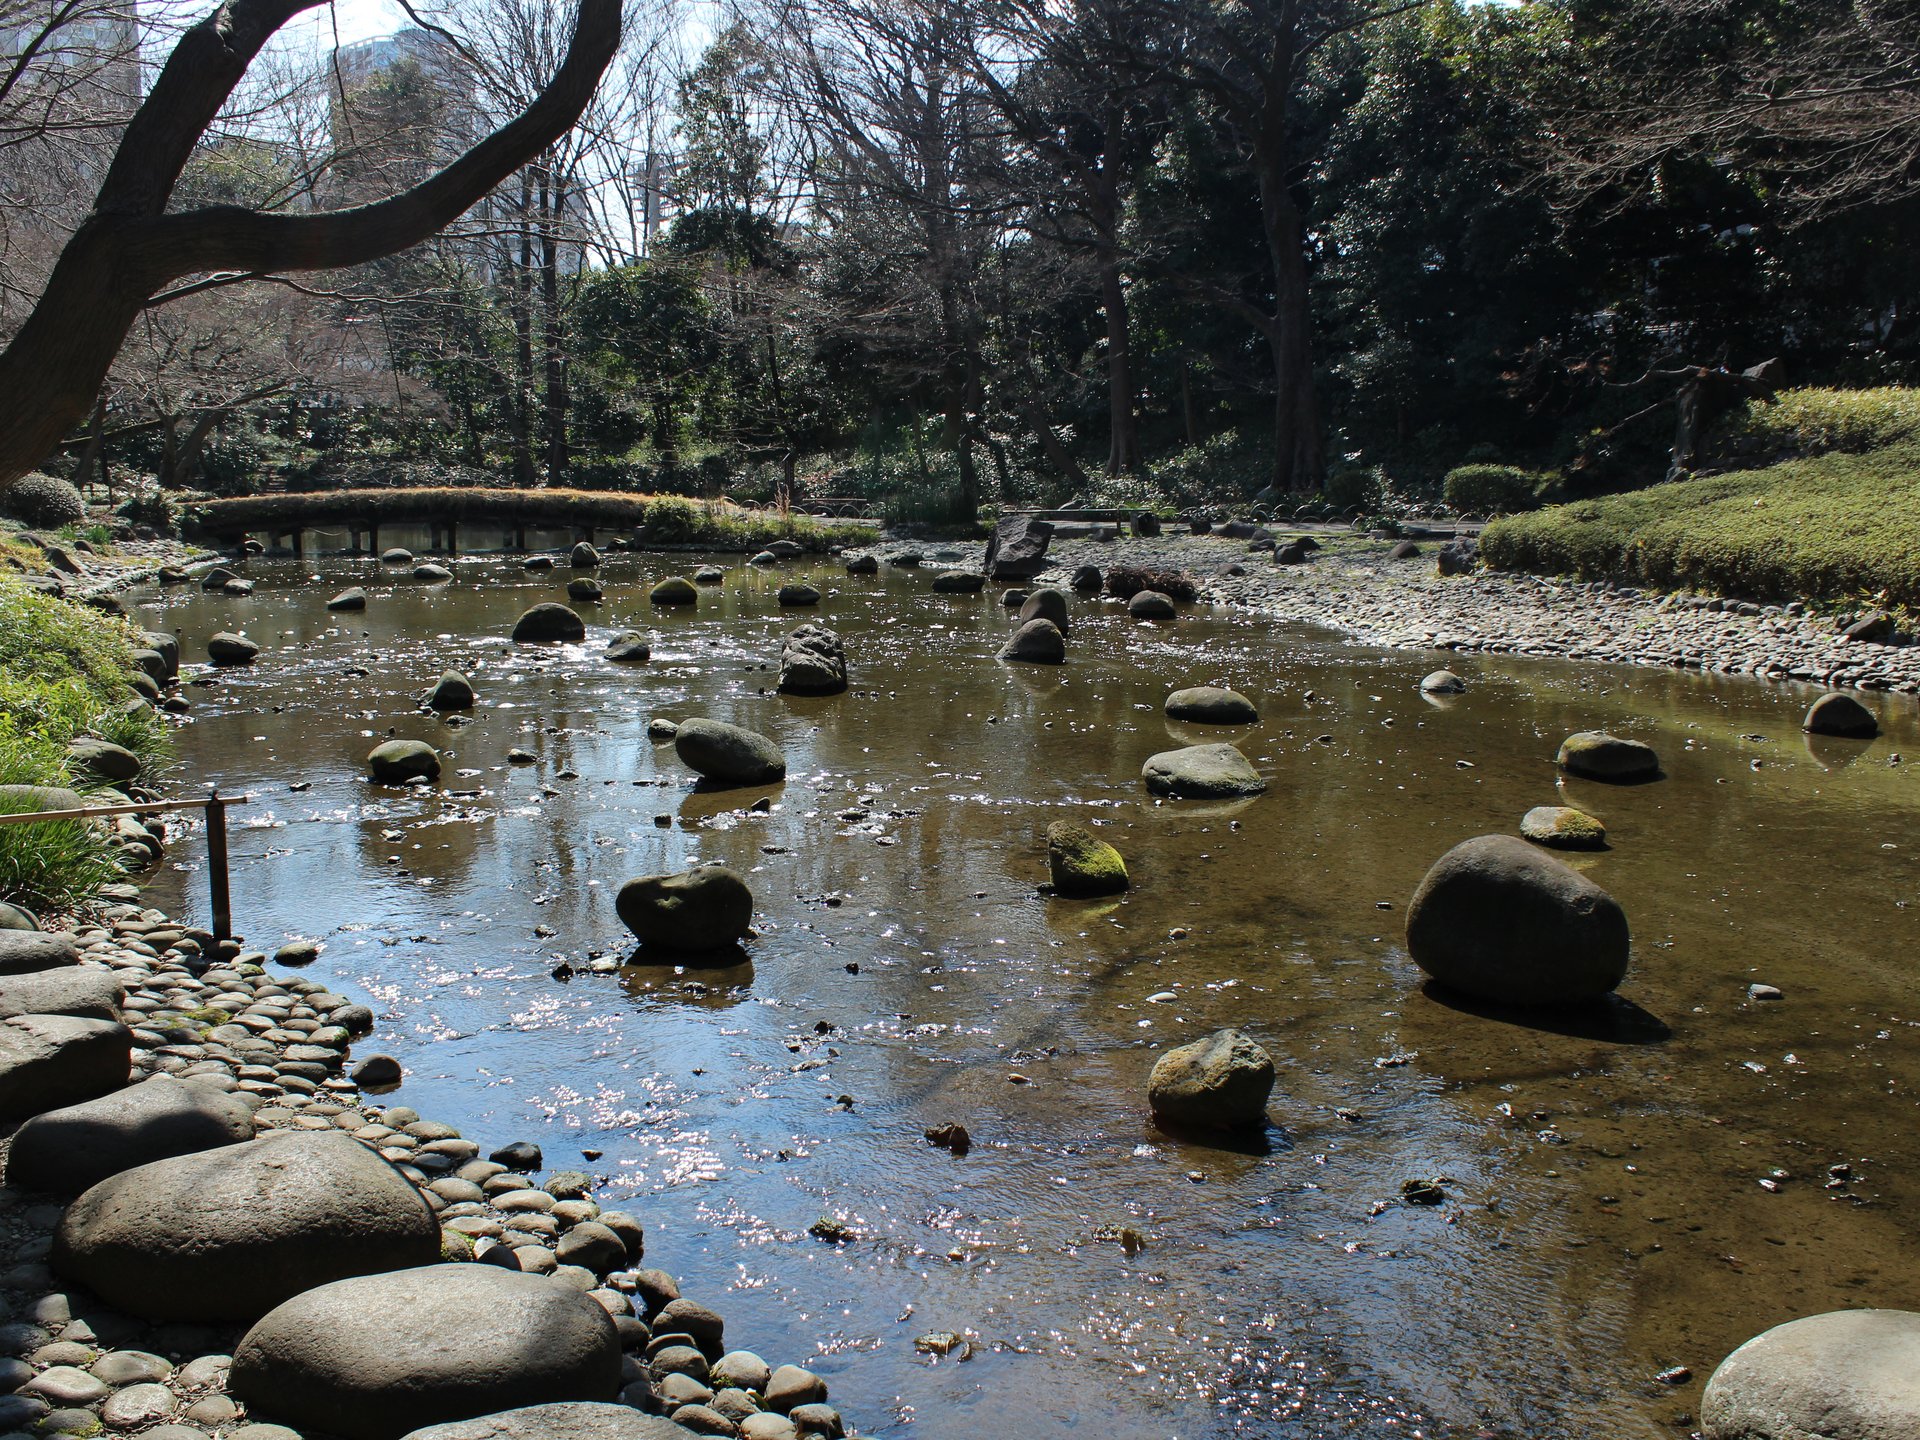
x=214, y=1040
x=1355, y=586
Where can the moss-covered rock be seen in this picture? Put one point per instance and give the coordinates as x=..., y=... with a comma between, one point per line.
x=1081, y=863
x=398, y=761
x=1561, y=827
x=674, y=591
x=549, y=622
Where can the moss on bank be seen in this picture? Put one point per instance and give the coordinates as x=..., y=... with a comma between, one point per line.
x=1831, y=527
x=63, y=673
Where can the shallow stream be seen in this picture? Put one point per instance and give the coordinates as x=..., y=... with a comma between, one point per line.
x=1606, y=1217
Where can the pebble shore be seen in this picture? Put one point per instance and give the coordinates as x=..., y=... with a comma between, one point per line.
x=204, y=1012
x=1353, y=586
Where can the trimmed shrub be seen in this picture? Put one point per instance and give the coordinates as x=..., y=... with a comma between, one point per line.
x=1485, y=489
x=1817, y=422
x=44, y=501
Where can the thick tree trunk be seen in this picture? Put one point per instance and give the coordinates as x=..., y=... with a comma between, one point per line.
x=129, y=248
x=1298, y=458
x=183, y=459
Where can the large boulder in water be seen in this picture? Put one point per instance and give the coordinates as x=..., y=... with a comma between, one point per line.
x=1595, y=755
x=584, y=557
x=430, y=574
x=1080, y=864
x=580, y=1420
x=229, y=649
x=674, y=591
x=1845, y=1375
x=863, y=565
x=958, y=582
x=66, y=1151
x=813, y=662
x=708, y=908
x=1840, y=714
x=1561, y=827
x=1211, y=705
x=1499, y=920
x=797, y=596
x=352, y=598
x=376, y=1356
x=731, y=754
x=47, y=1061
x=1038, y=642
x=585, y=592
x=1219, y=1083
x=1151, y=605
x=395, y=762
x=549, y=622
x=1017, y=549
x=229, y=1233
x=1202, y=772
x=1050, y=604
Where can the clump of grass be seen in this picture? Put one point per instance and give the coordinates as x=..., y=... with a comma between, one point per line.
x=55, y=865
x=1832, y=527
x=1127, y=581
x=672, y=521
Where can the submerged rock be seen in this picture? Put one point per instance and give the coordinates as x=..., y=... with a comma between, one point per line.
x=630, y=647
x=352, y=598
x=1561, y=827
x=813, y=662
x=396, y=556
x=1211, y=705
x=1845, y=1375
x=709, y=575
x=1080, y=864
x=674, y=591
x=731, y=754
x=708, y=908
x=1497, y=919
x=395, y=762
x=585, y=592
x=584, y=557
x=1595, y=755
x=797, y=596
x=1202, y=772
x=958, y=582
x=863, y=565
x=1443, y=682
x=537, y=562
x=376, y=1356
x=549, y=622
x=1219, y=1083
x=1839, y=714
x=1038, y=642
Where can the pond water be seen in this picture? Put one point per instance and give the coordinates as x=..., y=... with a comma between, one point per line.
x=1606, y=1216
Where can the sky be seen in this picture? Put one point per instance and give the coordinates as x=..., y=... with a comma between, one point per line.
x=356, y=19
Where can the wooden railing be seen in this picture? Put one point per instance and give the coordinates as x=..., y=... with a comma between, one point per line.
x=219, y=891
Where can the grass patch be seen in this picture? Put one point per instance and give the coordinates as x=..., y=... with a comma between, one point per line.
x=1833, y=527
x=668, y=519
x=1818, y=422
x=63, y=673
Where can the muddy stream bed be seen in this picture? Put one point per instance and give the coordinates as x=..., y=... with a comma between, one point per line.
x=1626, y=1192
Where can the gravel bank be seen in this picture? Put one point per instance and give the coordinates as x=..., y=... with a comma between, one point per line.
x=1352, y=586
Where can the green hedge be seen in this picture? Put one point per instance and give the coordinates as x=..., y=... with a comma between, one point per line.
x=1817, y=422
x=1496, y=489
x=1829, y=528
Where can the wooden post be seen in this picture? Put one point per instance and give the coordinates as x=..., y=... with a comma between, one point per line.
x=299, y=542
x=217, y=889
x=453, y=538
x=373, y=538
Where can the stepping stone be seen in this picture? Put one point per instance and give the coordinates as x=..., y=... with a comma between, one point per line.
x=26, y=951
x=377, y=1356
x=47, y=1061
x=580, y=1421
x=76, y=990
x=229, y=1233
x=66, y=1151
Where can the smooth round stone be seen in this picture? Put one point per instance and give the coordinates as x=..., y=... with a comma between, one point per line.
x=798, y=596
x=1443, y=682
x=676, y=1389
x=1845, y=1375
x=790, y=1386
x=67, y=1385
x=1499, y=920
x=691, y=1317
x=1594, y=755
x=680, y=1360
x=212, y=1410
x=1202, y=772
x=728, y=754
x=549, y=623
x=394, y=762
x=1842, y=715
x=817, y=1420
x=1211, y=705
x=68, y=1151
x=583, y=1421
x=591, y=1246
x=474, y=1339
x=674, y=591
x=138, y=1406
x=1037, y=642
x=700, y=1420
x=741, y=1370
x=130, y=1367
x=1151, y=605
x=768, y=1427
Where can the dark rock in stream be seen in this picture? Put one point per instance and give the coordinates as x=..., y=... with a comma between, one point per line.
x=730, y=754
x=813, y=662
x=706, y=909
x=1594, y=755
x=1038, y=642
x=1219, y=1083
x=397, y=761
x=1845, y=1375
x=1017, y=550
x=1840, y=714
x=549, y=622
